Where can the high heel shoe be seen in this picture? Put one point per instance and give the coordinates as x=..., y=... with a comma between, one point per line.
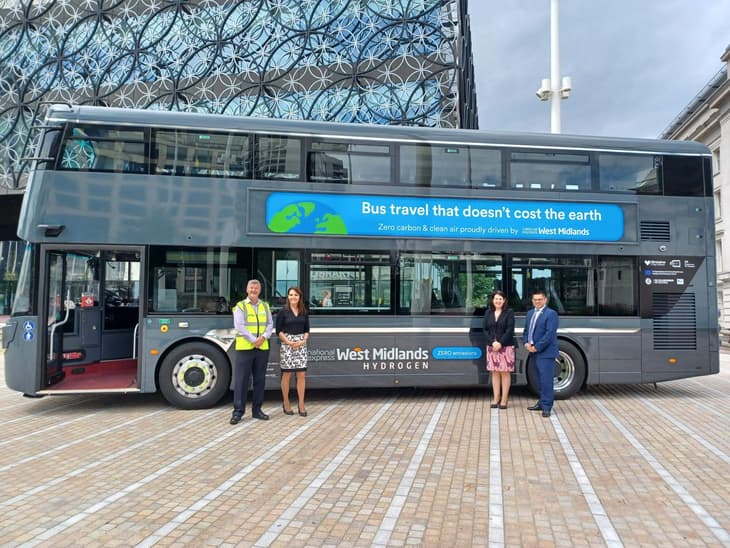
x=503, y=406
x=290, y=412
x=494, y=406
x=301, y=413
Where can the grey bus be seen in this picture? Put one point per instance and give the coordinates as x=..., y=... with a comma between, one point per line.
x=143, y=227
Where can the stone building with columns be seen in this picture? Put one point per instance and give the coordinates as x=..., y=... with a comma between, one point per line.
x=707, y=120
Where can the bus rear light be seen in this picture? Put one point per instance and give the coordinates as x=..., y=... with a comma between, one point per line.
x=672, y=360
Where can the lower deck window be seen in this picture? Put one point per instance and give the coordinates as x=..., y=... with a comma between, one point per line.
x=350, y=282
x=576, y=286
x=447, y=284
x=212, y=280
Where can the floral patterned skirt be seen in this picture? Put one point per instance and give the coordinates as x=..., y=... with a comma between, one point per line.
x=293, y=359
x=503, y=361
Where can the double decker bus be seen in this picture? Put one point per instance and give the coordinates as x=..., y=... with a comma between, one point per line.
x=143, y=227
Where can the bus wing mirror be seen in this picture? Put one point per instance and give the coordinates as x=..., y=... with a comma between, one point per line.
x=52, y=231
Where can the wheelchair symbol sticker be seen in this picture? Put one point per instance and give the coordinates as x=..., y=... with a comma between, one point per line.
x=28, y=325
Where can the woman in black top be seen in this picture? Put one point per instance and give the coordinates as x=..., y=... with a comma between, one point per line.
x=292, y=326
x=499, y=328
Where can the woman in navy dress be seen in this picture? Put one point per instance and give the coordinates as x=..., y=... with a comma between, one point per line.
x=499, y=329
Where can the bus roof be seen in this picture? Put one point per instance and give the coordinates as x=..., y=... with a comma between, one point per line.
x=218, y=122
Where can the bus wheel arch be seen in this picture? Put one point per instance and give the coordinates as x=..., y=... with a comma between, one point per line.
x=194, y=374
x=570, y=371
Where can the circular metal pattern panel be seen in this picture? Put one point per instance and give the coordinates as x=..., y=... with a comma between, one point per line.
x=380, y=61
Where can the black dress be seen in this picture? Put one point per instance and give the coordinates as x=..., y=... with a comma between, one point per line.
x=294, y=328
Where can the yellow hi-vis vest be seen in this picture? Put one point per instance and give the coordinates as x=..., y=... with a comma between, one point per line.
x=255, y=324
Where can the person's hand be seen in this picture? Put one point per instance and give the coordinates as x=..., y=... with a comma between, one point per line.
x=259, y=341
x=496, y=346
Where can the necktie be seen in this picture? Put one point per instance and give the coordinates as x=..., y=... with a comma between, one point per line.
x=533, y=321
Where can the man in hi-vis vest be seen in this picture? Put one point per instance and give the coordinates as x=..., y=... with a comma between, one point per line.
x=254, y=326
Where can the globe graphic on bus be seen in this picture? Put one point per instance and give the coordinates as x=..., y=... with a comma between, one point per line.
x=307, y=218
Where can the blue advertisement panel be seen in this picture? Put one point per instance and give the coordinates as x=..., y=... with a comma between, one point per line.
x=429, y=217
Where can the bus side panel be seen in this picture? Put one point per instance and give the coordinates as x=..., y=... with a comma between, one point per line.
x=447, y=360
x=339, y=361
x=680, y=331
x=620, y=359
x=346, y=360
x=20, y=341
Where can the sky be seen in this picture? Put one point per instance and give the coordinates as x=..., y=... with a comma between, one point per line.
x=635, y=64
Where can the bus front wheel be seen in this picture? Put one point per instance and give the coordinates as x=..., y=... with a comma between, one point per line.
x=570, y=372
x=194, y=376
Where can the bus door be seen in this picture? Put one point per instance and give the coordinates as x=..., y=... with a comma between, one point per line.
x=57, y=315
x=92, y=313
x=120, y=286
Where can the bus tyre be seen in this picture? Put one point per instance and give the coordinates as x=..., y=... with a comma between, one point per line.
x=194, y=376
x=570, y=372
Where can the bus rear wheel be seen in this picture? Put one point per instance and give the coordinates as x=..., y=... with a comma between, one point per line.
x=570, y=372
x=194, y=376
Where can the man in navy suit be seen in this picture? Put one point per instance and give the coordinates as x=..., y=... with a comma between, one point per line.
x=540, y=338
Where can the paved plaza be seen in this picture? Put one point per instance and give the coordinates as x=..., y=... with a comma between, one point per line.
x=613, y=466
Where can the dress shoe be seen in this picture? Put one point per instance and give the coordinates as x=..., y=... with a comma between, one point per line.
x=545, y=413
x=501, y=406
x=290, y=412
x=535, y=407
x=235, y=418
x=494, y=406
x=302, y=413
x=260, y=415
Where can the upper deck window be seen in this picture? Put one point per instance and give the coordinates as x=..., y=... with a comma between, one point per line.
x=455, y=166
x=335, y=162
x=629, y=173
x=279, y=158
x=200, y=154
x=485, y=168
x=550, y=171
x=103, y=148
x=683, y=176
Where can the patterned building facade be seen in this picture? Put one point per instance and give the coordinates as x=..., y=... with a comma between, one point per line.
x=707, y=120
x=360, y=61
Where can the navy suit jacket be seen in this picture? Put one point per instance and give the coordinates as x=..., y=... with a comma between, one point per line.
x=545, y=335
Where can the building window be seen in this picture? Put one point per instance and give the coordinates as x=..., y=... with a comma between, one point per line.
x=716, y=161
x=718, y=203
x=718, y=255
x=720, y=308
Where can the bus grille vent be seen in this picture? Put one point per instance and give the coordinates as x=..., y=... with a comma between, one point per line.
x=675, y=324
x=654, y=231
